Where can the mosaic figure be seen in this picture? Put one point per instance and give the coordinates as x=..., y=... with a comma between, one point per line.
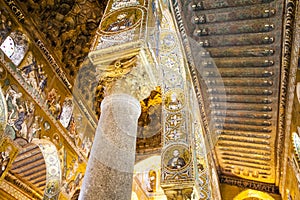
x=176, y=162
x=86, y=146
x=5, y=25
x=43, y=83
x=4, y=159
x=30, y=66
x=174, y=100
x=15, y=119
x=66, y=114
x=19, y=123
x=123, y=21
x=34, y=74
x=3, y=111
x=34, y=130
x=53, y=102
x=151, y=185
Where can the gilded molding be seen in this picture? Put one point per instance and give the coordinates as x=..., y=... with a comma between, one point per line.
x=286, y=88
x=19, y=188
x=11, y=190
x=290, y=63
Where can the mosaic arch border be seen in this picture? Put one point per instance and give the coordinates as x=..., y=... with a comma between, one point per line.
x=53, y=170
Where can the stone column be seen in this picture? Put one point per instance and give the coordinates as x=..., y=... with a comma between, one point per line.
x=110, y=168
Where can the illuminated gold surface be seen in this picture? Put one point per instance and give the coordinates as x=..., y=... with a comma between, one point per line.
x=74, y=161
x=253, y=194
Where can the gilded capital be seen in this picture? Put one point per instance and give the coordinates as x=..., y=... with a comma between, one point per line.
x=179, y=194
x=131, y=71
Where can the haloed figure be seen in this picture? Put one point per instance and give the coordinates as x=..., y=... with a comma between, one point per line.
x=176, y=162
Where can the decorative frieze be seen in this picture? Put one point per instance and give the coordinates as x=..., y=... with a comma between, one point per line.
x=16, y=10
x=177, y=157
x=11, y=190
x=53, y=63
x=243, y=183
x=219, y=4
x=287, y=83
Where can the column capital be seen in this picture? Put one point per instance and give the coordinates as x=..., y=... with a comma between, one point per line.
x=179, y=194
x=128, y=68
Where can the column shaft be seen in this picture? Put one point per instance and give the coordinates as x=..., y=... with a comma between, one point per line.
x=110, y=167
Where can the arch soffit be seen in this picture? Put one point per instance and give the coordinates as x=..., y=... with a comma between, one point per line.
x=53, y=170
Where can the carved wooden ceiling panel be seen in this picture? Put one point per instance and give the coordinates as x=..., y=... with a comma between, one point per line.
x=30, y=167
x=240, y=58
